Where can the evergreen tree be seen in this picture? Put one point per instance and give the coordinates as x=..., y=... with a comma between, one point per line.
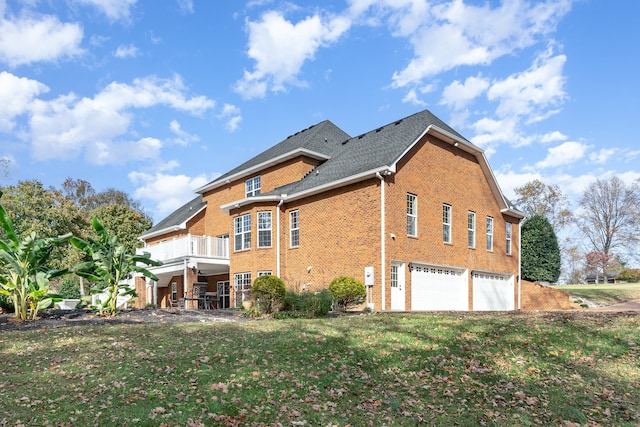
x=540, y=251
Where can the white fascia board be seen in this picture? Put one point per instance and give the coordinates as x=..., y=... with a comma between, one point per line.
x=249, y=200
x=173, y=228
x=271, y=162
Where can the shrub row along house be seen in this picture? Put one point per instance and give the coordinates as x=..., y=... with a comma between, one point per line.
x=412, y=209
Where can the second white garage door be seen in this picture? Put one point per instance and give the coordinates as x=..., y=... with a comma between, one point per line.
x=492, y=291
x=439, y=288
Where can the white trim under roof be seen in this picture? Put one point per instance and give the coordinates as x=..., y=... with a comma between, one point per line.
x=259, y=167
x=249, y=200
x=177, y=227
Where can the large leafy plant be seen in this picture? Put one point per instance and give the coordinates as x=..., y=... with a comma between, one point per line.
x=24, y=275
x=109, y=266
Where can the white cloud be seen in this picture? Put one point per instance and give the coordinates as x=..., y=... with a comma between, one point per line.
x=110, y=152
x=458, y=95
x=182, y=138
x=115, y=10
x=16, y=96
x=26, y=40
x=186, y=6
x=66, y=126
x=603, y=155
x=231, y=114
x=554, y=136
x=168, y=192
x=453, y=34
x=411, y=97
x=280, y=49
x=530, y=91
x=563, y=154
x=126, y=51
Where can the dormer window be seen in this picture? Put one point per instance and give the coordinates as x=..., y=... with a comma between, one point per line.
x=252, y=186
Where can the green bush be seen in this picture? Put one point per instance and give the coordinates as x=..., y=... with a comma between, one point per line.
x=305, y=305
x=5, y=303
x=347, y=292
x=292, y=302
x=69, y=288
x=631, y=275
x=269, y=292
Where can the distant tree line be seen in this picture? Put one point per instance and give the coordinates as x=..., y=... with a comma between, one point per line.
x=603, y=237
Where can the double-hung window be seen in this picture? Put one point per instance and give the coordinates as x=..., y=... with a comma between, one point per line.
x=471, y=229
x=412, y=215
x=489, y=233
x=446, y=223
x=242, y=232
x=508, y=242
x=264, y=229
x=294, y=229
x=252, y=186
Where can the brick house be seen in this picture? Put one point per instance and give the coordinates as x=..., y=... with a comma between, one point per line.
x=411, y=208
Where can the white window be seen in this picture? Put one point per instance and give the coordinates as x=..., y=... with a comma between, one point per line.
x=412, y=215
x=265, y=273
x=394, y=276
x=174, y=291
x=242, y=232
x=471, y=229
x=264, y=229
x=489, y=233
x=242, y=287
x=294, y=229
x=252, y=186
x=508, y=238
x=446, y=223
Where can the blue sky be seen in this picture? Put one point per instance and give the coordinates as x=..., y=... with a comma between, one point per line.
x=156, y=98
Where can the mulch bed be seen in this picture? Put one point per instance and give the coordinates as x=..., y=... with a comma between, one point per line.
x=66, y=318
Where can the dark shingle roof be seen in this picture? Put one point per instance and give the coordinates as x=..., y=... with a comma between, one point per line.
x=372, y=150
x=323, y=138
x=179, y=216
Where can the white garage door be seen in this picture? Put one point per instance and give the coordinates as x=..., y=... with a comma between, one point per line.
x=492, y=291
x=439, y=288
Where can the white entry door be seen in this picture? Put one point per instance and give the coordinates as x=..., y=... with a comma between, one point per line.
x=397, y=287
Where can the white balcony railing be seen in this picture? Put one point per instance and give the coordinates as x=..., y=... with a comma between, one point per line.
x=200, y=246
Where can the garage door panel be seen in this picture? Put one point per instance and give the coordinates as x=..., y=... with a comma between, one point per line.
x=493, y=292
x=437, y=288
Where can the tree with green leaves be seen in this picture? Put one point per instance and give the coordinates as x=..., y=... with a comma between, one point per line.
x=24, y=271
x=540, y=251
x=110, y=265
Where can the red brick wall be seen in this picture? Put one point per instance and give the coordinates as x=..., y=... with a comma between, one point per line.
x=539, y=297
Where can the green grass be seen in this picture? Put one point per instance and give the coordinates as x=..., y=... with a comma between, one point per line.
x=604, y=293
x=470, y=369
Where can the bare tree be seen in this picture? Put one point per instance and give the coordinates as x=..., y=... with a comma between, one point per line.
x=538, y=198
x=609, y=215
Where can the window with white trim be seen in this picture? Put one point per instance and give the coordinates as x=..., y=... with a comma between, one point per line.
x=242, y=232
x=264, y=229
x=252, y=186
x=174, y=291
x=265, y=273
x=242, y=287
x=446, y=223
x=412, y=215
x=394, y=276
x=508, y=243
x=489, y=233
x=471, y=229
x=294, y=229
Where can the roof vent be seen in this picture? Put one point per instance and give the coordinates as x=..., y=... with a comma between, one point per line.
x=398, y=122
x=379, y=129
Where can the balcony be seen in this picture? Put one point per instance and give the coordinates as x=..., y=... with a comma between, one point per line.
x=195, y=246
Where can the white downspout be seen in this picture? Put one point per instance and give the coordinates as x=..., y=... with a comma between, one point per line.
x=278, y=237
x=520, y=265
x=383, y=260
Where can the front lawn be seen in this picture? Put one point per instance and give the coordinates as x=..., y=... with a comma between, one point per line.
x=381, y=369
x=604, y=293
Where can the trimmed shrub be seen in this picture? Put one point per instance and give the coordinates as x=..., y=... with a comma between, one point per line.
x=69, y=289
x=347, y=292
x=269, y=292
